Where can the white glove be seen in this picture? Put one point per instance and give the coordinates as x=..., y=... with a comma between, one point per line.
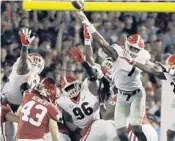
x=25, y=36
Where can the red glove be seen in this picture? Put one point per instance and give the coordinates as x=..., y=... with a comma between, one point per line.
x=25, y=36
x=87, y=36
x=76, y=54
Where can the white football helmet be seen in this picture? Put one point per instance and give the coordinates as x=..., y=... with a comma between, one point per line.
x=37, y=62
x=133, y=45
x=70, y=86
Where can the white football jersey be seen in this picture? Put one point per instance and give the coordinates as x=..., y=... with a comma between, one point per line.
x=14, y=95
x=125, y=76
x=83, y=112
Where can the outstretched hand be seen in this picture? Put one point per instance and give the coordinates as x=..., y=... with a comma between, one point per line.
x=76, y=54
x=25, y=36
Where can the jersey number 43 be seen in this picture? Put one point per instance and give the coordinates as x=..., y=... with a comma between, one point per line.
x=80, y=113
x=27, y=109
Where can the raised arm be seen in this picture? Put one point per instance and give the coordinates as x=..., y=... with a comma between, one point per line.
x=96, y=36
x=93, y=83
x=23, y=65
x=88, y=46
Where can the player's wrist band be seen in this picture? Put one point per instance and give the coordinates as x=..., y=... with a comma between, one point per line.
x=87, y=42
x=90, y=71
x=24, y=48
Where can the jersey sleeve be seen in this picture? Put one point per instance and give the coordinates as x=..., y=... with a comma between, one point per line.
x=118, y=49
x=143, y=57
x=54, y=112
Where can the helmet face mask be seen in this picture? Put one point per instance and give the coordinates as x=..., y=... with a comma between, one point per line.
x=107, y=64
x=37, y=62
x=72, y=90
x=133, y=51
x=70, y=87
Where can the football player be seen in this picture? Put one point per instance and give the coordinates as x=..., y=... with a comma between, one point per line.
x=81, y=102
x=127, y=80
x=25, y=74
x=38, y=113
x=6, y=115
x=164, y=72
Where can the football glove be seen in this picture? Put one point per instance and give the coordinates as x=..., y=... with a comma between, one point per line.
x=76, y=54
x=25, y=36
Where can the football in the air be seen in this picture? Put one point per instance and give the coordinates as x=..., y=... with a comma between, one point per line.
x=78, y=4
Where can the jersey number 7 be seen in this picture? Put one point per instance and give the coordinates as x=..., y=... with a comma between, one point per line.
x=81, y=112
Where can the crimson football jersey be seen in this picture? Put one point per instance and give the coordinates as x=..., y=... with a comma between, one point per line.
x=36, y=113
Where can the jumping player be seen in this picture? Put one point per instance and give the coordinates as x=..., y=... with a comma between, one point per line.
x=164, y=72
x=23, y=76
x=126, y=78
x=81, y=101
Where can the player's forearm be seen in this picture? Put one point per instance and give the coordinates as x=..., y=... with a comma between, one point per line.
x=89, y=54
x=90, y=71
x=23, y=66
x=105, y=45
x=150, y=69
x=53, y=127
x=12, y=117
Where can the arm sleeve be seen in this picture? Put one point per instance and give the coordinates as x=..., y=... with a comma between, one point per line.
x=90, y=71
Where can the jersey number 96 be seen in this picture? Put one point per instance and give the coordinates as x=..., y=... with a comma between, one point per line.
x=84, y=110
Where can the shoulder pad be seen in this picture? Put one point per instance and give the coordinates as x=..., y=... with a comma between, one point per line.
x=143, y=56
x=118, y=49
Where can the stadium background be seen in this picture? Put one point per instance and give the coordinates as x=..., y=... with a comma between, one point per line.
x=56, y=32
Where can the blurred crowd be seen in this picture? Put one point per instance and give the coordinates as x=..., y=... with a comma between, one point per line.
x=56, y=32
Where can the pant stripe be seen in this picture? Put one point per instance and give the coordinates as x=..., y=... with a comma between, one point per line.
x=86, y=135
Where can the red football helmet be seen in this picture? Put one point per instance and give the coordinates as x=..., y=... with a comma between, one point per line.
x=70, y=86
x=107, y=65
x=171, y=61
x=48, y=89
x=37, y=62
x=134, y=44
